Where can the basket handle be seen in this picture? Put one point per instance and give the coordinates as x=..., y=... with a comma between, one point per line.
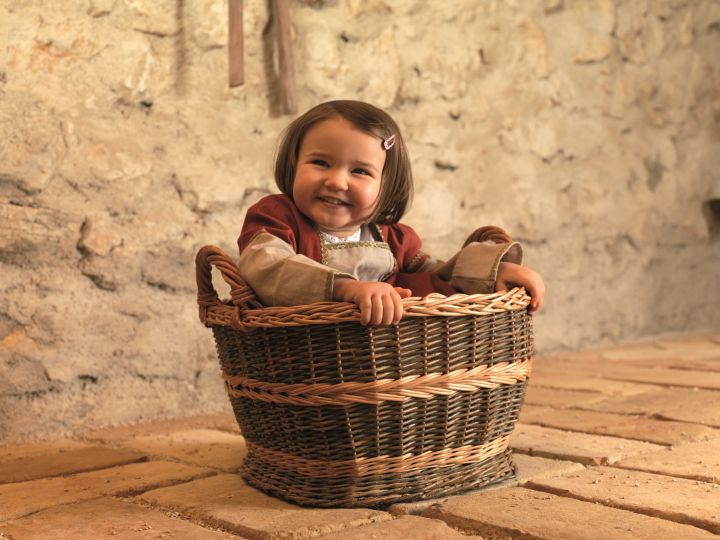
x=242, y=295
x=483, y=234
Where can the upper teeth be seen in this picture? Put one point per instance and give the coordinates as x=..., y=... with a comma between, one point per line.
x=333, y=201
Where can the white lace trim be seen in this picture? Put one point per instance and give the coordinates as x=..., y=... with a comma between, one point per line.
x=332, y=239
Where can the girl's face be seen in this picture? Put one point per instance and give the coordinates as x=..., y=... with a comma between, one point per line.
x=338, y=174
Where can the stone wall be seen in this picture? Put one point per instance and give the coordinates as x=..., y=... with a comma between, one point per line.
x=588, y=129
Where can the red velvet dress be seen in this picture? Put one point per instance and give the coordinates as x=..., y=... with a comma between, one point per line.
x=278, y=216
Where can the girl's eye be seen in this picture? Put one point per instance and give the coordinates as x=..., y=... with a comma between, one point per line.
x=361, y=171
x=319, y=162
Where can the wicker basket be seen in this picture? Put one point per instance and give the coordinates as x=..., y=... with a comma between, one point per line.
x=339, y=414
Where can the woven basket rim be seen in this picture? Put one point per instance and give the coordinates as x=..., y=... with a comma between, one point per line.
x=322, y=313
x=245, y=312
x=430, y=305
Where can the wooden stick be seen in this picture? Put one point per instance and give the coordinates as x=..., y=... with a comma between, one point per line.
x=287, y=70
x=235, y=43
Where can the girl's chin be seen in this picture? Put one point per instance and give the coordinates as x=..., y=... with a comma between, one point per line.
x=336, y=229
x=332, y=223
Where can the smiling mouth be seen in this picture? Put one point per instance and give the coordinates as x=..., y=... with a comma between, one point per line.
x=333, y=201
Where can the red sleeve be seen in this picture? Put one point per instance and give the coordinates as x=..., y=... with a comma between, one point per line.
x=272, y=214
x=405, y=243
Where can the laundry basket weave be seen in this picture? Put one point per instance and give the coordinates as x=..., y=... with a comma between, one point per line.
x=339, y=414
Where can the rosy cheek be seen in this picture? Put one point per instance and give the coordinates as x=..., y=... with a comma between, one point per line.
x=370, y=193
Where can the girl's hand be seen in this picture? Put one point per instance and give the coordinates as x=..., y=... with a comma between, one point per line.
x=379, y=302
x=514, y=275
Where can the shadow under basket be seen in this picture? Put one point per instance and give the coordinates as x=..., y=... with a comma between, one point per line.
x=339, y=414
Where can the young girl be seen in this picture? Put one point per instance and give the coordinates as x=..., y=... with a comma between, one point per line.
x=334, y=233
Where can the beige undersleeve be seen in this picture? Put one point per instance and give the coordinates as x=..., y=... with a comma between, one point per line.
x=281, y=277
x=474, y=268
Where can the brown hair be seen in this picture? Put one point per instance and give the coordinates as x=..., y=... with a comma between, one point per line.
x=397, y=184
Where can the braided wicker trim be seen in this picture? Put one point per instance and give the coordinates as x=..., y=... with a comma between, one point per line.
x=457, y=305
x=378, y=465
x=371, y=393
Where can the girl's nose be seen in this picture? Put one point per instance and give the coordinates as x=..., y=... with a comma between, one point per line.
x=336, y=180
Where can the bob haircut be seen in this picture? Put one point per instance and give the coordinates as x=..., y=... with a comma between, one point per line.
x=396, y=184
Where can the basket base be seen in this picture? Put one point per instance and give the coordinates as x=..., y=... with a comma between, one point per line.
x=377, y=491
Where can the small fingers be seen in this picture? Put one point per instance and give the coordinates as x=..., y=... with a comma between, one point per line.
x=537, y=294
x=377, y=309
x=388, y=313
x=404, y=293
x=534, y=306
x=365, y=306
x=398, y=305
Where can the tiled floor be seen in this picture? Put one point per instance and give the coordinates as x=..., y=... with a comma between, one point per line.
x=622, y=442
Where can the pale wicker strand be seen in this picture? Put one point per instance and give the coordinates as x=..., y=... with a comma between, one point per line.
x=457, y=305
x=373, y=466
x=371, y=393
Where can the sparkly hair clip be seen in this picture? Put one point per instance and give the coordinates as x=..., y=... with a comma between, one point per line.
x=389, y=142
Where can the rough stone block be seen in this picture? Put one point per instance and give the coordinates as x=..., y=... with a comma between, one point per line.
x=633, y=351
x=418, y=507
x=22, y=375
x=23, y=498
x=105, y=518
x=699, y=353
x=647, y=373
x=675, y=499
x=580, y=447
x=691, y=363
x=405, y=528
x=532, y=467
x=29, y=158
x=223, y=422
x=30, y=232
x=547, y=361
x=227, y=501
x=537, y=395
x=597, y=48
x=573, y=381
x=524, y=513
x=629, y=427
x=528, y=468
x=691, y=345
x=681, y=404
x=100, y=234
x=33, y=450
x=697, y=461
x=206, y=447
x=19, y=463
x=413, y=508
